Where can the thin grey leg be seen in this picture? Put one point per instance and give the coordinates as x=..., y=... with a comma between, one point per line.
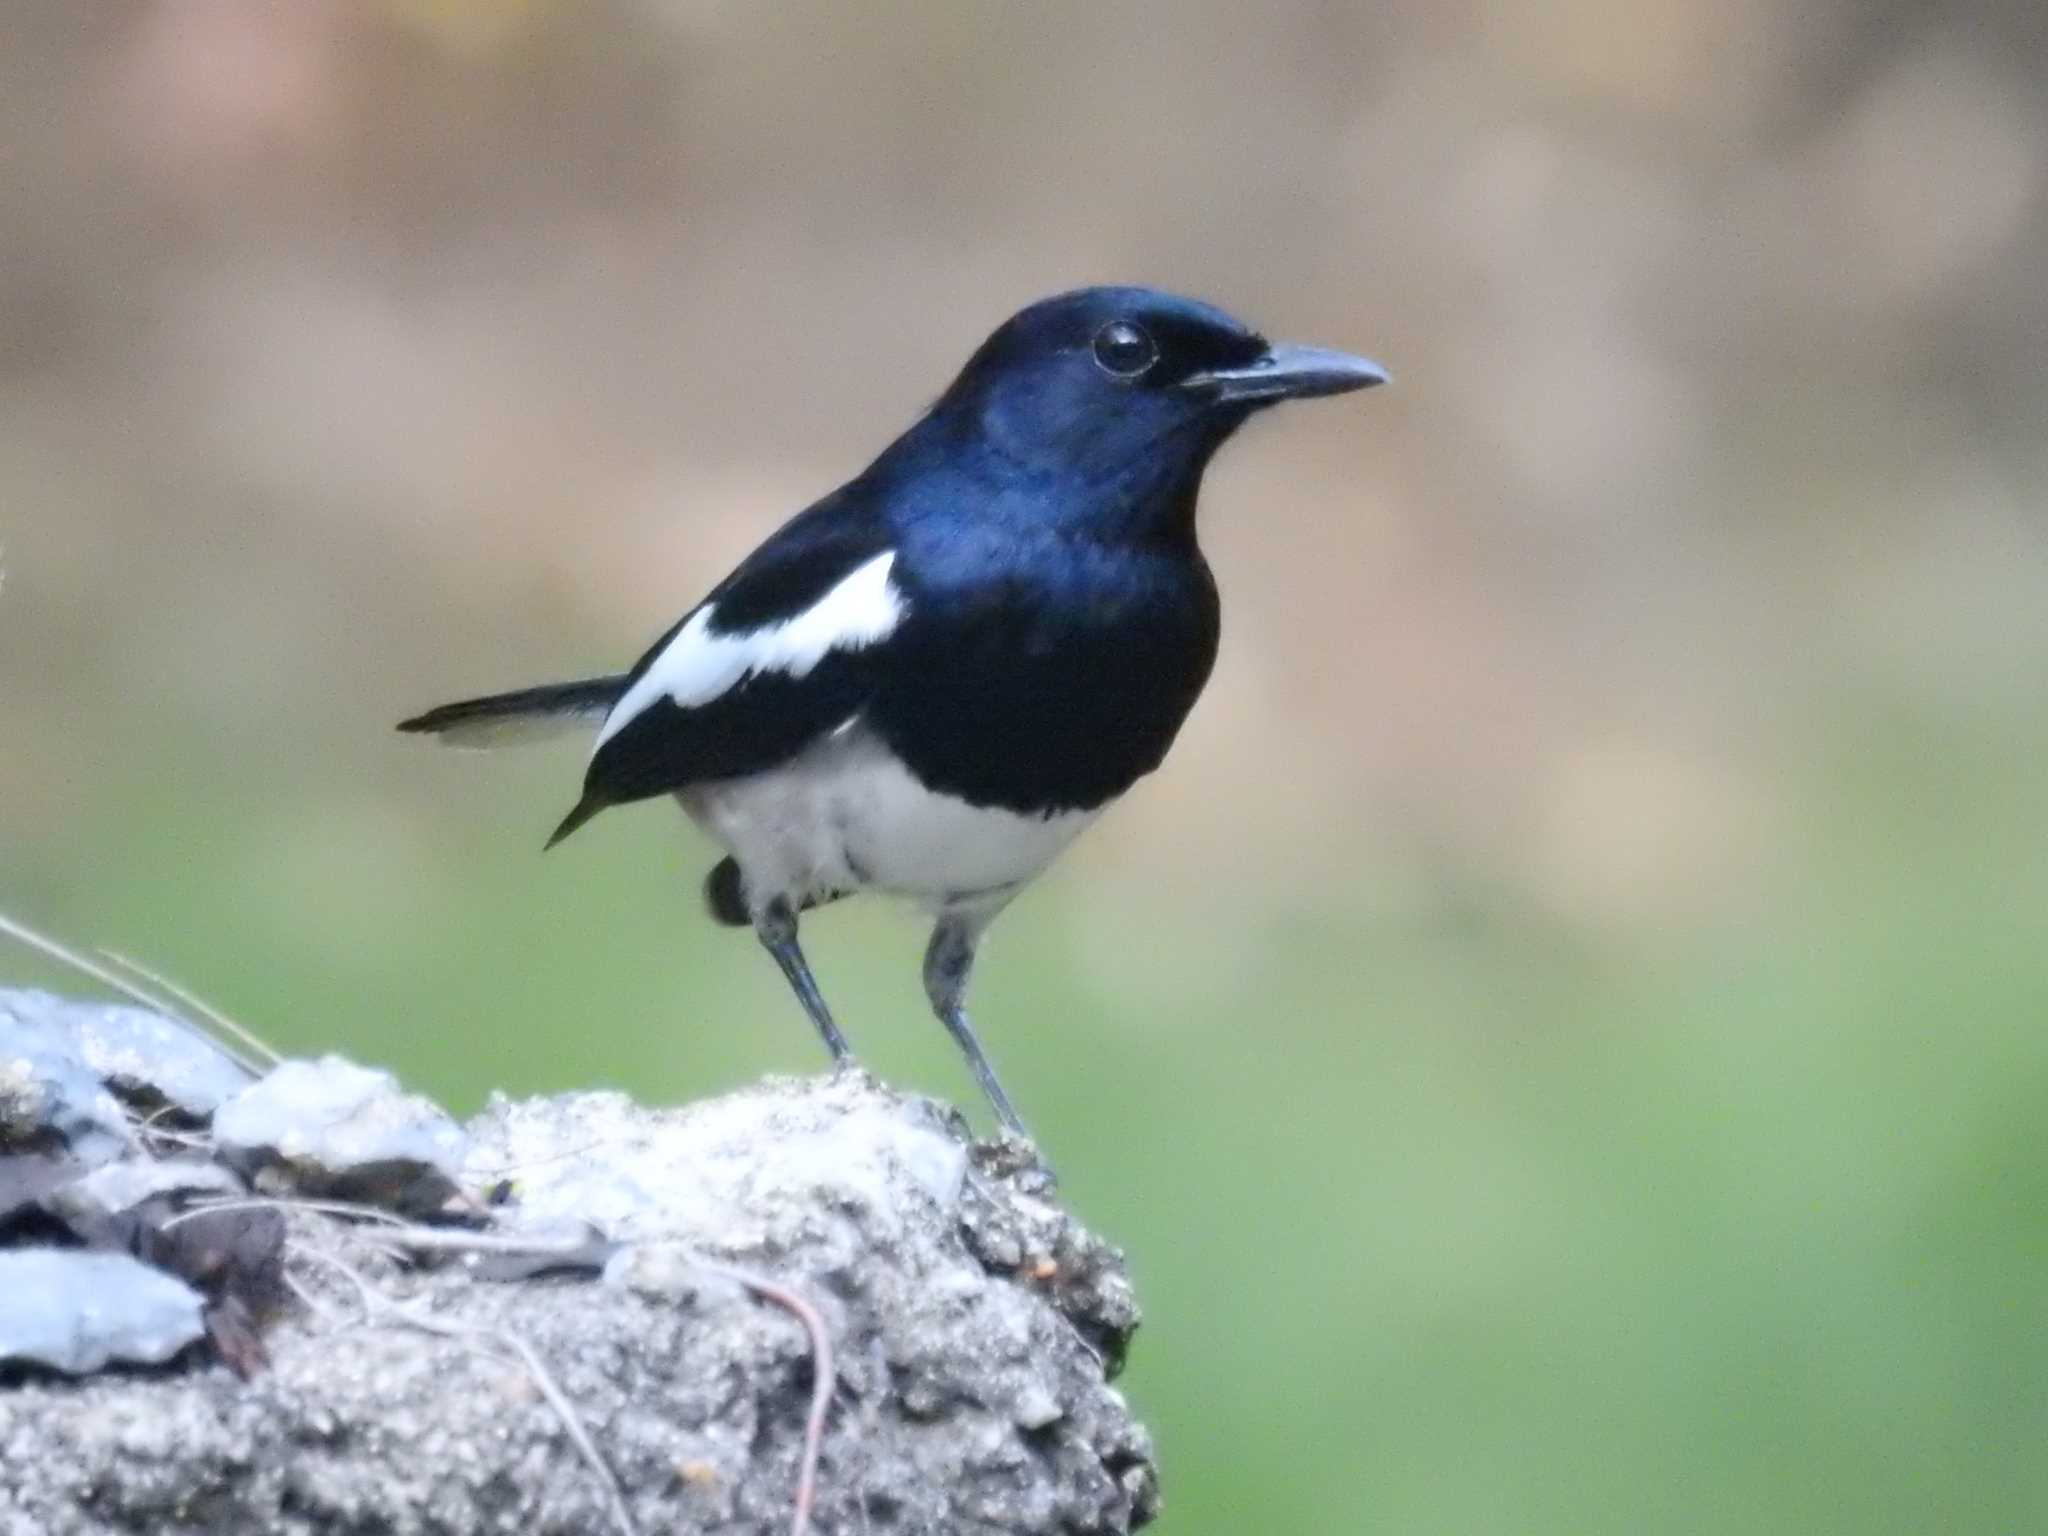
x=775, y=924
x=948, y=961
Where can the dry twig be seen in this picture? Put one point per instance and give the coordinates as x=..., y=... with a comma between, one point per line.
x=43, y=944
x=345, y=1208
x=212, y=1014
x=824, y=1372
x=824, y=1377
x=378, y=1307
x=397, y=1232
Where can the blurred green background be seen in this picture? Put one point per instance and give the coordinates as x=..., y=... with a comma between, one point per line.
x=1562, y=1040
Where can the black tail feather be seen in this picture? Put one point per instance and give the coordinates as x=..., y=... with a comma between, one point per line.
x=500, y=716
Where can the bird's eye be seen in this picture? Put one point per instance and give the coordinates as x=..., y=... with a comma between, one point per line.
x=1123, y=349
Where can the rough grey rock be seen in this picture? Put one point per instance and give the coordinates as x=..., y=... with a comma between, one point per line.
x=146, y=1059
x=116, y=1187
x=330, y=1127
x=27, y=1180
x=970, y=1316
x=50, y=1098
x=75, y=1311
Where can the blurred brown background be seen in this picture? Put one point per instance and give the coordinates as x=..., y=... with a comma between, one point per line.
x=1563, y=1038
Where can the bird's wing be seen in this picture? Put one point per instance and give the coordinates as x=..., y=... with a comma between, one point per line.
x=783, y=651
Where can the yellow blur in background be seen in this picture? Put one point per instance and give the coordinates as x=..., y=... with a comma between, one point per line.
x=1563, y=1037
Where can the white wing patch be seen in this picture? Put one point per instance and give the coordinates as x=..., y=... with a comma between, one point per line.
x=697, y=666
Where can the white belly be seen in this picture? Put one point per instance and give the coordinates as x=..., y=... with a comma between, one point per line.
x=847, y=816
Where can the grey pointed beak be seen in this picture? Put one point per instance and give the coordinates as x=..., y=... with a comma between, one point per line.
x=1288, y=372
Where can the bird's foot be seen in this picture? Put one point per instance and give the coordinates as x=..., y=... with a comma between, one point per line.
x=850, y=1069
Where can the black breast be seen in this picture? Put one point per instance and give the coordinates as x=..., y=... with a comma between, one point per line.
x=1054, y=686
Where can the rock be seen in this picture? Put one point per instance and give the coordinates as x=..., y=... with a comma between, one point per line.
x=27, y=1181
x=971, y=1398
x=1012, y=1223
x=672, y=1272
x=330, y=1127
x=75, y=1311
x=859, y=1154
x=121, y=1186
x=50, y=1099
x=144, y=1058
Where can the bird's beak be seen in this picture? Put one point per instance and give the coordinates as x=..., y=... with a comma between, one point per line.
x=1287, y=372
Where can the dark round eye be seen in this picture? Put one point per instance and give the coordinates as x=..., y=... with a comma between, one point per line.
x=1124, y=349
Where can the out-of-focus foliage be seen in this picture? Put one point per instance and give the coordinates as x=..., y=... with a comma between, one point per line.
x=1565, y=1039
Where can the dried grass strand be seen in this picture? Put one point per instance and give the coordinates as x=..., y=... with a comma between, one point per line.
x=248, y=1037
x=43, y=944
x=378, y=1307
x=824, y=1368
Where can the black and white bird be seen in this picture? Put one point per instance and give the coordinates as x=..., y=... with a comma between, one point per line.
x=933, y=680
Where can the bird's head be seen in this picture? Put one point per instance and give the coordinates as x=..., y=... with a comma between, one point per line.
x=1111, y=384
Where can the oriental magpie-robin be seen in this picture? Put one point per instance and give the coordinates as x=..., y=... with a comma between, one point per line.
x=929, y=682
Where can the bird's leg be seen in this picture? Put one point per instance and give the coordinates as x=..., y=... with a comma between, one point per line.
x=775, y=924
x=948, y=960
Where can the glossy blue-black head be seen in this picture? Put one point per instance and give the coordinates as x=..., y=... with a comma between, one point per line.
x=1106, y=383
